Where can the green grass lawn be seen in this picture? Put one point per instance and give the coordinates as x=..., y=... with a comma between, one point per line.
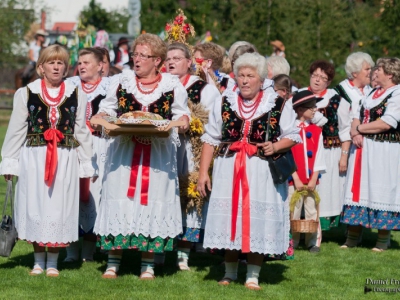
x=334, y=273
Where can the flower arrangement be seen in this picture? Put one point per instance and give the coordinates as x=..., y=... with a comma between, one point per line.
x=190, y=197
x=178, y=30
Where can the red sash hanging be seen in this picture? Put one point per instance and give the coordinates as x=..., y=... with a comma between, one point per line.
x=355, y=188
x=145, y=150
x=84, y=189
x=52, y=136
x=240, y=181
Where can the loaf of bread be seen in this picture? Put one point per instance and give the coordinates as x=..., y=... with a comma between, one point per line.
x=137, y=114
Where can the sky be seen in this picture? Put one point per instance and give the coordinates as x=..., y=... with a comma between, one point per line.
x=68, y=10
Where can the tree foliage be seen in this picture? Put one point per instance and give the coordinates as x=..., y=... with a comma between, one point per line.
x=15, y=20
x=310, y=29
x=113, y=21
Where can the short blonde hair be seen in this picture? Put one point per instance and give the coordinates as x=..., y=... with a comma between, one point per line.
x=279, y=65
x=53, y=52
x=390, y=66
x=211, y=51
x=252, y=60
x=157, y=46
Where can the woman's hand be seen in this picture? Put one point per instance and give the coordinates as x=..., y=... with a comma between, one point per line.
x=8, y=177
x=185, y=127
x=358, y=141
x=97, y=127
x=204, y=185
x=267, y=148
x=343, y=164
x=94, y=178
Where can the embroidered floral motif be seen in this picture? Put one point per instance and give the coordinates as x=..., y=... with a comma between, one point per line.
x=330, y=131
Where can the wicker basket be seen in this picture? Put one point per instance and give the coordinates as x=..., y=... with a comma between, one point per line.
x=304, y=226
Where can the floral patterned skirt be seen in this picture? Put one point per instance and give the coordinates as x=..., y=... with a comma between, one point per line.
x=194, y=235
x=370, y=218
x=329, y=222
x=141, y=243
x=288, y=255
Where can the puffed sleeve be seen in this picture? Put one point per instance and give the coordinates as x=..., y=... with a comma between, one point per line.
x=210, y=95
x=84, y=137
x=287, y=124
x=109, y=104
x=213, y=133
x=16, y=134
x=345, y=118
x=180, y=107
x=392, y=112
x=319, y=163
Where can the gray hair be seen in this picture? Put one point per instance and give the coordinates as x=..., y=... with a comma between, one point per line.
x=252, y=60
x=279, y=65
x=355, y=61
x=234, y=46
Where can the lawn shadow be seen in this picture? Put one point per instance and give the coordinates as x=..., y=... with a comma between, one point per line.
x=18, y=261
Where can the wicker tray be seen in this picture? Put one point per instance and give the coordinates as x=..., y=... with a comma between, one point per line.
x=146, y=128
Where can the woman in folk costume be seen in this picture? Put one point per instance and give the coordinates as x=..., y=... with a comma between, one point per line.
x=140, y=204
x=256, y=220
x=201, y=99
x=335, y=111
x=48, y=146
x=95, y=86
x=372, y=195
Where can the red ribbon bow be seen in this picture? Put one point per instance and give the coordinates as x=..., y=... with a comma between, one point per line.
x=240, y=178
x=136, y=156
x=52, y=136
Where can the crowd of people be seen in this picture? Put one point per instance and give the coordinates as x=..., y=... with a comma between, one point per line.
x=209, y=183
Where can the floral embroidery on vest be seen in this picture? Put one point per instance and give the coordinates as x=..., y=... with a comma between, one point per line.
x=38, y=120
x=162, y=106
x=232, y=128
x=194, y=91
x=393, y=134
x=330, y=131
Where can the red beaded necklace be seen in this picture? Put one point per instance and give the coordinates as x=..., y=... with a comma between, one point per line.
x=138, y=83
x=248, y=108
x=379, y=92
x=92, y=87
x=56, y=100
x=186, y=80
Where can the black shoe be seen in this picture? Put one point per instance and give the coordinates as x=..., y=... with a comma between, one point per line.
x=313, y=249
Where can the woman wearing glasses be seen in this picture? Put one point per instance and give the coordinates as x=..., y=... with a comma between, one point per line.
x=140, y=204
x=336, y=139
x=201, y=99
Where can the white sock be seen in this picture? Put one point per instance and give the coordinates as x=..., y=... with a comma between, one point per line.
x=88, y=248
x=253, y=271
x=73, y=251
x=231, y=270
x=52, y=260
x=183, y=255
x=113, y=262
x=40, y=260
x=147, y=265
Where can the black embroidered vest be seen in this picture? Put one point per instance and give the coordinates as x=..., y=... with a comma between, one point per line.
x=342, y=92
x=38, y=120
x=194, y=91
x=162, y=106
x=393, y=134
x=95, y=103
x=330, y=131
x=233, y=126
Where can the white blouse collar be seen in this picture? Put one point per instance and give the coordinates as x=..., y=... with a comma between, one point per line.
x=100, y=90
x=267, y=100
x=36, y=87
x=128, y=82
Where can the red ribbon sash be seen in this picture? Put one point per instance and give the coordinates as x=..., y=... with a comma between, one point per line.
x=52, y=136
x=240, y=180
x=355, y=188
x=89, y=126
x=145, y=150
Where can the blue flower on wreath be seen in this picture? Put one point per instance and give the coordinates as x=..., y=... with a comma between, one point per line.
x=73, y=108
x=32, y=107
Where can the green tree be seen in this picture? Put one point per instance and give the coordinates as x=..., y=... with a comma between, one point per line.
x=15, y=19
x=111, y=21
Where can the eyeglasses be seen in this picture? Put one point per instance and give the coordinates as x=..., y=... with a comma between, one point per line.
x=174, y=59
x=142, y=56
x=323, y=78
